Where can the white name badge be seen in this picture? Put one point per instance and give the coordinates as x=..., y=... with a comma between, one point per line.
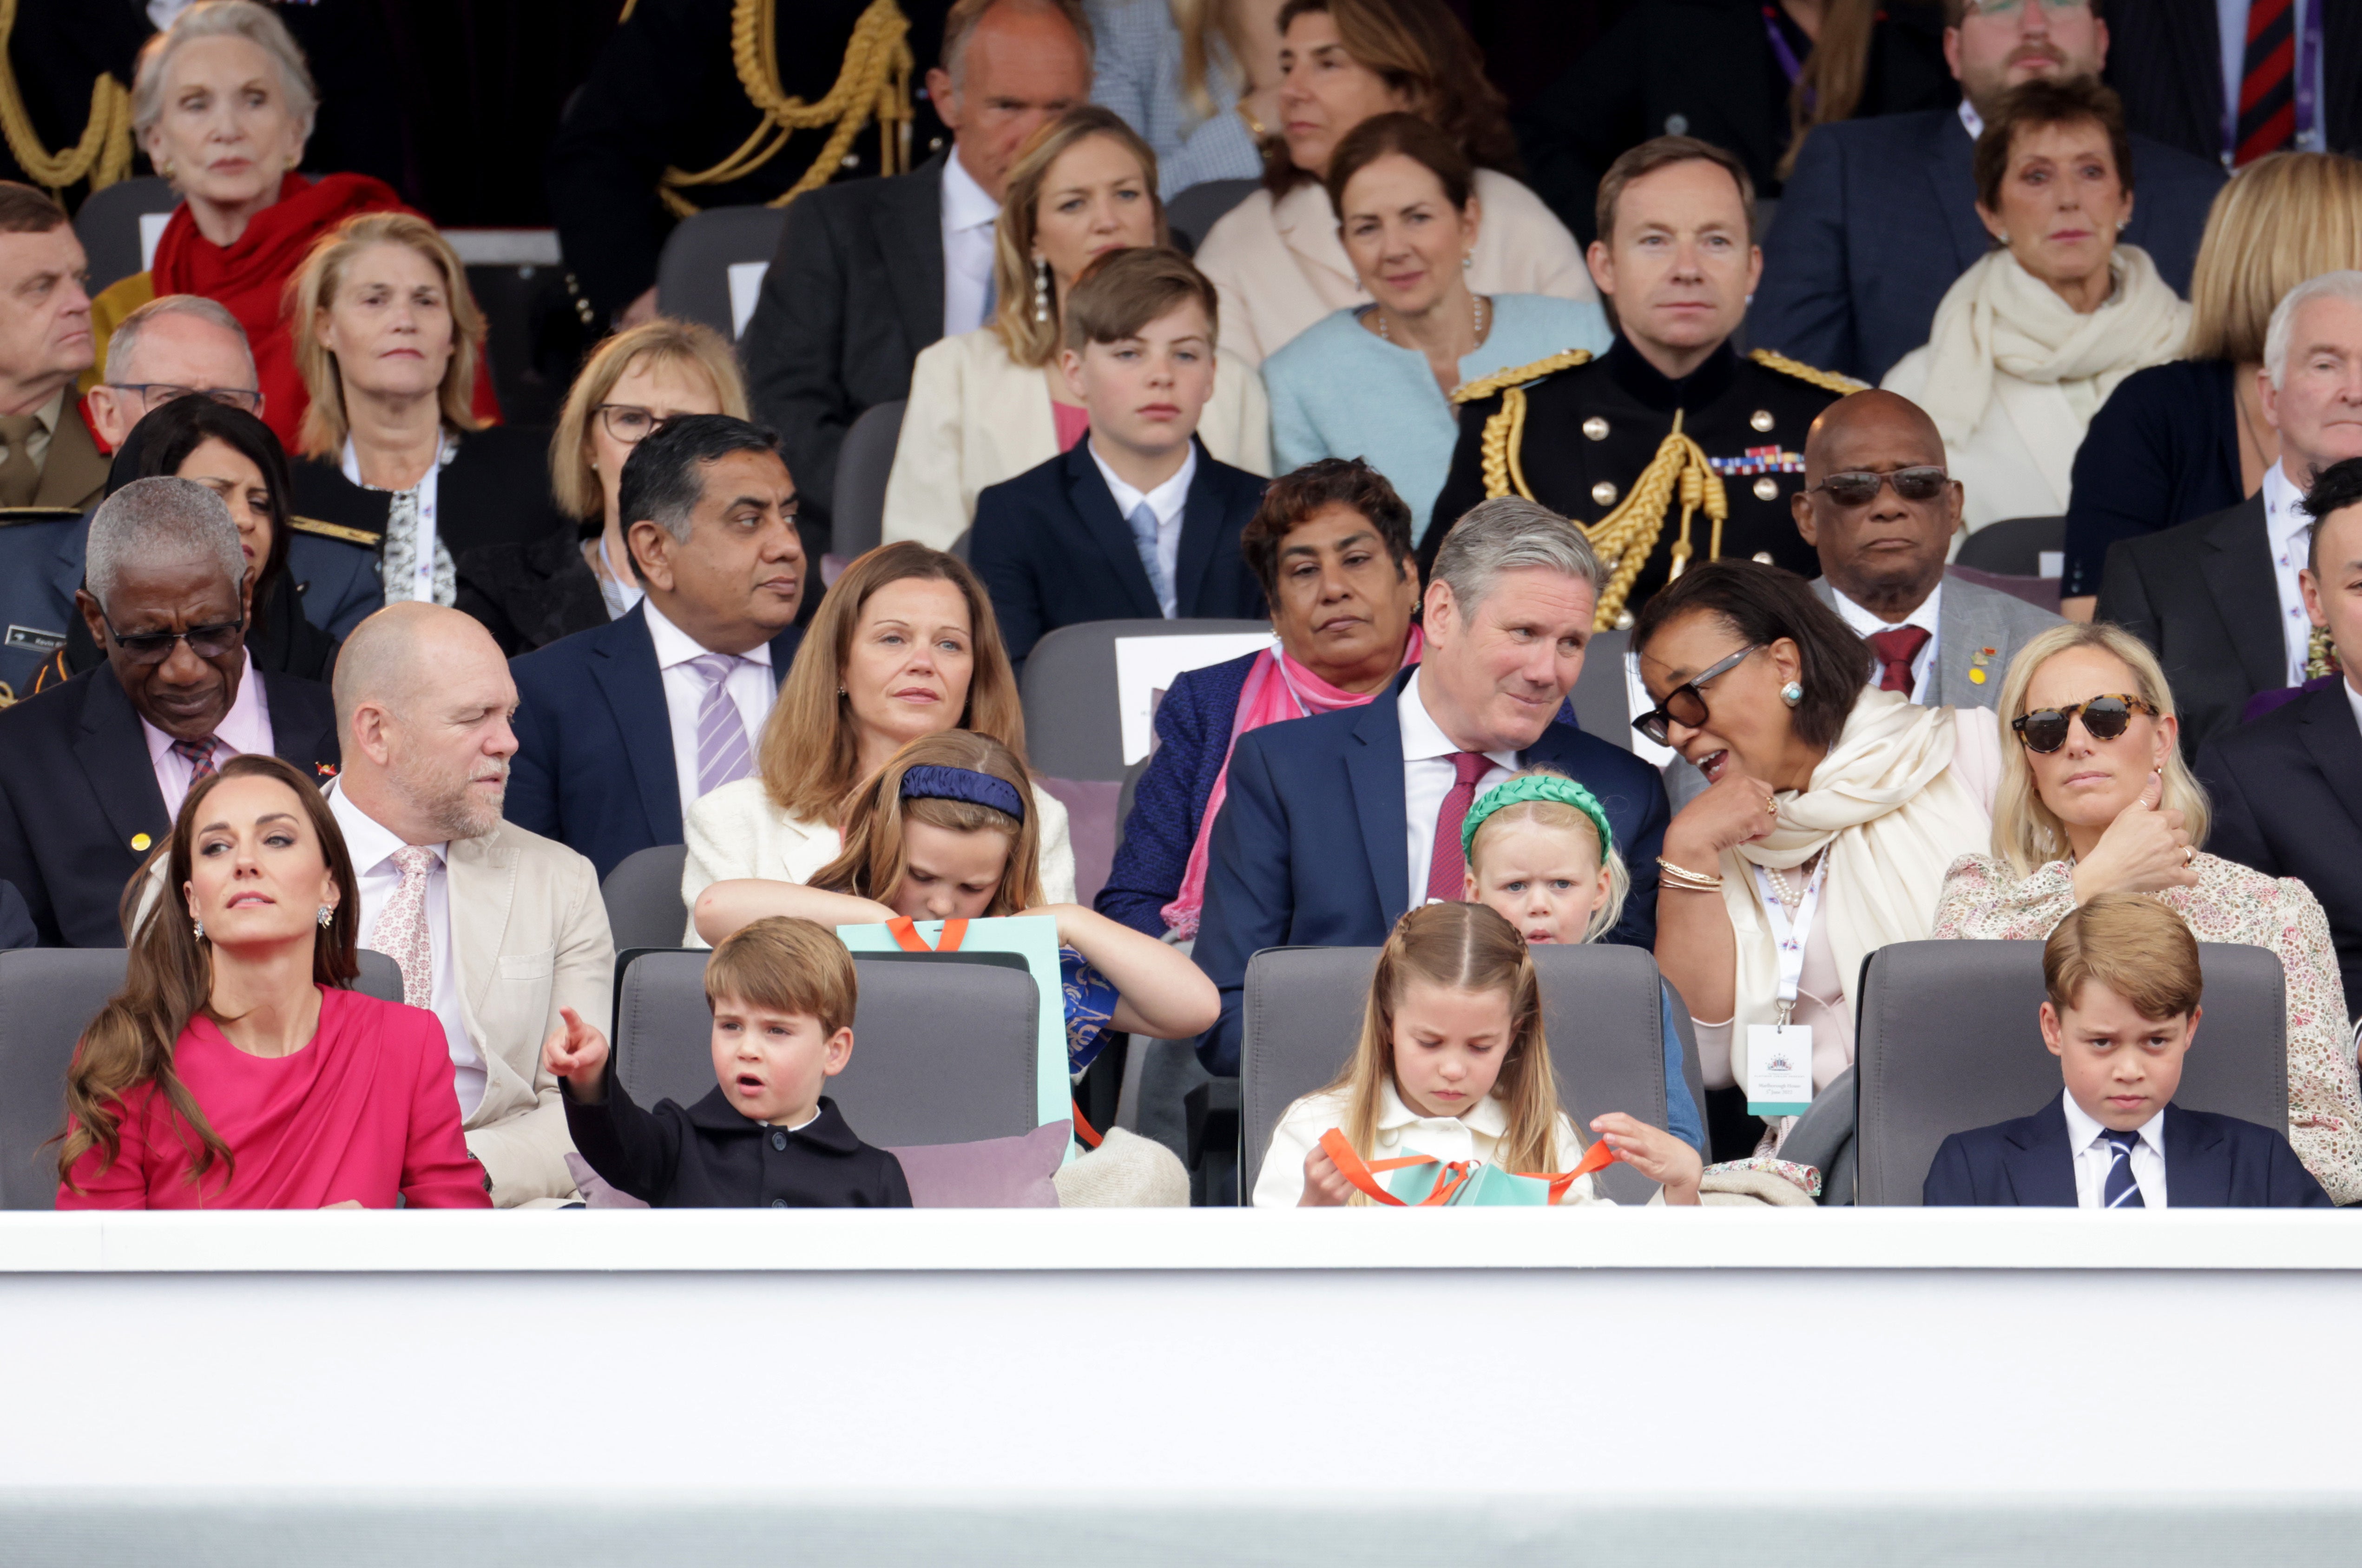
x=1779, y=1069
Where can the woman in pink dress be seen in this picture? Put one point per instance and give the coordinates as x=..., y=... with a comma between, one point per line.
x=237, y=1069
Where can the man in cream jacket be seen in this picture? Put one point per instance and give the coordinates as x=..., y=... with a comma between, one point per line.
x=494, y=928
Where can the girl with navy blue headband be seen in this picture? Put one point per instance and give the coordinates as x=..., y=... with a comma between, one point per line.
x=946, y=831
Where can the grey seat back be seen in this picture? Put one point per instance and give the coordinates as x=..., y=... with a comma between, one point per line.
x=108, y=227
x=943, y=1049
x=643, y=898
x=1073, y=725
x=693, y=270
x=856, y=510
x=48, y=997
x=1603, y=705
x=2015, y=547
x=1191, y=213
x=1950, y=1039
x=1601, y=1010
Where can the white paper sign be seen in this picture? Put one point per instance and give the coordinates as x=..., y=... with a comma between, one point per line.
x=1146, y=666
x=1779, y=1069
x=745, y=287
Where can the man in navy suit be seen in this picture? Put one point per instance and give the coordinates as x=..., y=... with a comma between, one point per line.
x=620, y=727
x=1136, y=519
x=2123, y=978
x=1338, y=823
x=1879, y=216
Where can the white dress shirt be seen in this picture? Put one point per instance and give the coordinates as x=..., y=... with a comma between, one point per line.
x=246, y=727
x=1427, y=777
x=969, y=213
x=1928, y=616
x=620, y=589
x=751, y=688
x=2094, y=1159
x=371, y=845
x=1971, y=121
x=1168, y=502
x=2289, y=531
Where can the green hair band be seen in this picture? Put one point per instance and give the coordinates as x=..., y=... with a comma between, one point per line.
x=1537, y=787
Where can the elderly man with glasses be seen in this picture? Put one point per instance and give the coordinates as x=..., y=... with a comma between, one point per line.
x=92, y=771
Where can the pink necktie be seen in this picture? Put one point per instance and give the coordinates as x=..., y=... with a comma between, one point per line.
x=401, y=932
x=1447, y=864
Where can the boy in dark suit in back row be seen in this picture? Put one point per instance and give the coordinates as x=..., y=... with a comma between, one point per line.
x=2121, y=974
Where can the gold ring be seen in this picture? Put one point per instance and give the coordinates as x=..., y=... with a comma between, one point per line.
x=2189, y=855
x=1771, y=805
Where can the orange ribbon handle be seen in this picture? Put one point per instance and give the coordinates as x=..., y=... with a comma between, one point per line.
x=907, y=937
x=1454, y=1176
x=1091, y=1136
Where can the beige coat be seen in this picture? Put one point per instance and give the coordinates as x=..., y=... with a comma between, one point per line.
x=1279, y=267
x=977, y=417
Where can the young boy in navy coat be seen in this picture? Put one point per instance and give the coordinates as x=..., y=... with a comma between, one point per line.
x=782, y=992
x=2121, y=974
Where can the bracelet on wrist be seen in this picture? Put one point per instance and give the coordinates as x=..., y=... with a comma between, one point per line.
x=1684, y=879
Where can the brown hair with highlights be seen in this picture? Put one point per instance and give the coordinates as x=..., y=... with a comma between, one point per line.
x=786, y=965
x=2130, y=944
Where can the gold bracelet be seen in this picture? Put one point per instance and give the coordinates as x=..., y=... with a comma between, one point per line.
x=1687, y=880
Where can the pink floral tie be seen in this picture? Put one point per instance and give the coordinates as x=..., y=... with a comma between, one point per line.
x=401, y=930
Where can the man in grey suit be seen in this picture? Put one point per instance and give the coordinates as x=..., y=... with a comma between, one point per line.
x=1943, y=642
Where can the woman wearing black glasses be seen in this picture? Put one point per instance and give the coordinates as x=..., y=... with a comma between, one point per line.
x=1831, y=814
x=2095, y=798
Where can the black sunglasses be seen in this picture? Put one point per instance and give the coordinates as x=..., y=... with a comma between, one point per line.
x=1860, y=489
x=2104, y=718
x=1682, y=704
x=207, y=642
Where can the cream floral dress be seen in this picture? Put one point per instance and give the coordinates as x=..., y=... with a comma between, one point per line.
x=2230, y=903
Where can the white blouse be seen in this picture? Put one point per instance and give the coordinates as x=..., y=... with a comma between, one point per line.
x=1402, y=1131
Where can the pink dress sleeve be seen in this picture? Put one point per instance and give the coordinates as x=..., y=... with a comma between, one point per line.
x=437, y=1170
x=123, y=1184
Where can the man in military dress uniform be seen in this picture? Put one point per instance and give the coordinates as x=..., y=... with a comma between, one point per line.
x=1671, y=447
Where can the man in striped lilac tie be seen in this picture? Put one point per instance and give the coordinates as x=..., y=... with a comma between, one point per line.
x=621, y=727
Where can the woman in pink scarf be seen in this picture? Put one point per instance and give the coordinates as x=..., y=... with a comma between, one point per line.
x=1332, y=545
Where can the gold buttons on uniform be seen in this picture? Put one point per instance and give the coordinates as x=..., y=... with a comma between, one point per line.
x=1604, y=492
x=140, y=841
x=1761, y=419
x=1767, y=488
x=1595, y=427
x=1763, y=558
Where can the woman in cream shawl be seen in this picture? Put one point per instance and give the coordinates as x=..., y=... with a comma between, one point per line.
x=2031, y=340
x=1762, y=687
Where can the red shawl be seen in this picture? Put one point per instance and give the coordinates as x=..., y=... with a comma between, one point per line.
x=249, y=276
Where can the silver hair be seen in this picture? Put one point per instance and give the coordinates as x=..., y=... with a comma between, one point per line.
x=1506, y=533
x=2342, y=285
x=964, y=20
x=159, y=518
x=124, y=341
x=257, y=25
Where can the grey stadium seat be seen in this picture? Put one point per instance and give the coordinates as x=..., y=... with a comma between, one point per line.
x=48, y=997
x=856, y=511
x=108, y=227
x=2015, y=547
x=1073, y=728
x=1601, y=1009
x=1949, y=1039
x=693, y=272
x=1191, y=213
x=643, y=898
x=942, y=1052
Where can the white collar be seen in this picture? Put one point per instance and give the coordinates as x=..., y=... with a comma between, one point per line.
x=966, y=204
x=1166, y=501
x=1924, y=614
x=1970, y=120
x=2083, y=1129
x=2282, y=495
x=1422, y=738
x=677, y=647
x=1487, y=1116
x=369, y=842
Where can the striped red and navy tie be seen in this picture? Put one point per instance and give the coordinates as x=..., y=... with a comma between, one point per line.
x=2267, y=82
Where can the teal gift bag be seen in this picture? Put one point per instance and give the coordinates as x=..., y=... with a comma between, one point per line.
x=1033, y=938
x=1486, y=1186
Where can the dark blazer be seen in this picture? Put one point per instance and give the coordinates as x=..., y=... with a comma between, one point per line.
x=1052, y=550
x=854, y=291
x=1168, y=803
x=1706, y=68
x=2163, y=449
x=2202, y=595
x=714, y=1157
x=1880, y=219
x=2287, y=801
x=2164, y=57
x=79, y=804
x=2210, y=1161
x=1308, y=850
x=529, y=595
x=594, y=767
x=494, y=491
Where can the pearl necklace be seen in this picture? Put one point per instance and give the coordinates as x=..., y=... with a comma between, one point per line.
x=1479, y=309
x=1792, y=898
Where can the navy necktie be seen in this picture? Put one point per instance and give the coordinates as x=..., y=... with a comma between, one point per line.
x=2122, y=1191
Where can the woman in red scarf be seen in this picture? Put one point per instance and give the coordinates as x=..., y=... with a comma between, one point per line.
x=1332, y=545
x=222, y=105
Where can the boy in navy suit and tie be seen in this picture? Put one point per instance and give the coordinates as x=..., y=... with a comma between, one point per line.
x=1137, y=521
x=2121, y=974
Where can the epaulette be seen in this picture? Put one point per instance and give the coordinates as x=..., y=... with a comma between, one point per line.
x=337, y=531
x=1486, y=386
x=12, y=515
x=1828, y=380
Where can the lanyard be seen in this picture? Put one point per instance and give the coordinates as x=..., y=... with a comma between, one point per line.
x=1791, y=66
x=1791, y=937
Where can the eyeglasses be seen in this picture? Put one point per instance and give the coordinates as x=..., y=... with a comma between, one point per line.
x=628, y=422
x=2104, y=718
x=207, y=642
x=155, y=394
x=1683, y=704
x=2009, y=8
x=1861, y=489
